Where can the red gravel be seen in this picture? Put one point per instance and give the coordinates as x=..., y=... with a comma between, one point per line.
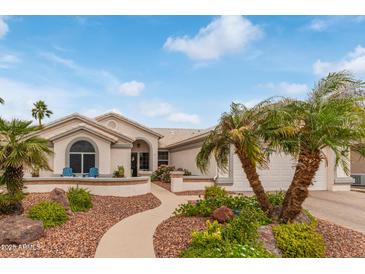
x=341, y=242
x=174, y=235
x=166, y=186
x=80, y=235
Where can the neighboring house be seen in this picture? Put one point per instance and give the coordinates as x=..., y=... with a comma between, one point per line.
x=112, y=140
x=358, y=169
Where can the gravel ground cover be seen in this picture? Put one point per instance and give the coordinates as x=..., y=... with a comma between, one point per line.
x=80, y=235
x=342, y=242
x=174, y=235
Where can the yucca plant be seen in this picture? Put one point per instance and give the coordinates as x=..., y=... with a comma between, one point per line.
x=242, y=129
x=332, y=116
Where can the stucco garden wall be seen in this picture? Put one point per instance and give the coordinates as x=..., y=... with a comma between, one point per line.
x=121, y=157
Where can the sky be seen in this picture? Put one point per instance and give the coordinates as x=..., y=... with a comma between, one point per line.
x=169, y=71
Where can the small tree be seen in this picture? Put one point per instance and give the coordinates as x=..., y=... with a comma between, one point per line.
x=240, y=128
x=333, y=116
x=18, y=151
x=40, y=110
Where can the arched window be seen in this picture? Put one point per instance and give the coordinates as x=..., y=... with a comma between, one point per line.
x=82, y=157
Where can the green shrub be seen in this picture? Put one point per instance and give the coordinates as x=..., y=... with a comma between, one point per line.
x=79, y=198
x=276, y=198
x=299, y=241
x=10, y=203
x=214, y=192
x=211, y=244
x=243, y=229
x=119, y=172
x=163, y=174
x=186, y=172
x=50, y=213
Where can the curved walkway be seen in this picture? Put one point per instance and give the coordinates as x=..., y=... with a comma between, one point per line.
x=133, y=237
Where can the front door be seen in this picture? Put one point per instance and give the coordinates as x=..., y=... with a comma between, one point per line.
x=134, y=164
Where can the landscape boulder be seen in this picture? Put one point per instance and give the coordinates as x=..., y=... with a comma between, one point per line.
x=223, y=214
x=60, y=196
x=302, y=218
x=20, y=230
x=266, y=236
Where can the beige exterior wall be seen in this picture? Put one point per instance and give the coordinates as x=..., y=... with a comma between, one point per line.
x=185, y=158
x=136, y=133
x=121, y=157
x=357, y=163
x=103, y=157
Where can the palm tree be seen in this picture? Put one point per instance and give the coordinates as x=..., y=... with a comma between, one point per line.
x=333, y=116
x=40, y=111
x=2, y=101
x=18, y=151
x=240, y=128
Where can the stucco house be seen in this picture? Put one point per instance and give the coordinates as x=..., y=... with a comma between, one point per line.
x=112, y=140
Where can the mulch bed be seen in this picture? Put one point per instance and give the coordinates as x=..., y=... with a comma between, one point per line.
x=174, y=235
x=80, y=235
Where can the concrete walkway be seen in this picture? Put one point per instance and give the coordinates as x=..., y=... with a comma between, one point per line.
x=133, y=237
x=345, y=208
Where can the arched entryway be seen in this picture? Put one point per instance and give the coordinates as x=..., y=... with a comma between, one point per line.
x=141, y=156
x=81, y=156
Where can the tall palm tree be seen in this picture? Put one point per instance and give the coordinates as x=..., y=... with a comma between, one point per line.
x=18, y=151
x=333, y=116
x=40, y=110
x=240, y=128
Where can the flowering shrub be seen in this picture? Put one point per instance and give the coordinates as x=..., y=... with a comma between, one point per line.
x=163, y=174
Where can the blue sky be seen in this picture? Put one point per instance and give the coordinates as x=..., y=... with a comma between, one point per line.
x=169, y=71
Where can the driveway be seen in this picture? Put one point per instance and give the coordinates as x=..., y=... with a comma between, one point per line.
x=345, y=208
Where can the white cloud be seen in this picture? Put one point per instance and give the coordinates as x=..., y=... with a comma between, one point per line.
x=7, y=60
x=319, y=24
x=4, y=28
x=168, y=112
x=224, y=35
x=180, y=117
x=354, y=62
x=285, y=88
x=156, y=109
x=132, y=88
x=19, y=98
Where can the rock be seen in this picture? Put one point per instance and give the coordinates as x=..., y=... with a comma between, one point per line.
x=12, y=209
x=60, y=196
x=223, y=214
x=20, y=230
x=302, y=218
x=266, y=236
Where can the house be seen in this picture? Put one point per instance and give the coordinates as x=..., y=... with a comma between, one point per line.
x=112, y=140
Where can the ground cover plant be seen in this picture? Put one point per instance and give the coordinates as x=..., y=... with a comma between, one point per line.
x=239, y=237
x=50, y=213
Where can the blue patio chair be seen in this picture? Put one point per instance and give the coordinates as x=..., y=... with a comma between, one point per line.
x=67, y=172
x=93, y=172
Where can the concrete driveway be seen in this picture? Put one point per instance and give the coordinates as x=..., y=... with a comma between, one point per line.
x=345, y=208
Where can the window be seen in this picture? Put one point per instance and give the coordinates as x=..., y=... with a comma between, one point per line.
x=163, y=158
x=144, y=161
x=82, y=157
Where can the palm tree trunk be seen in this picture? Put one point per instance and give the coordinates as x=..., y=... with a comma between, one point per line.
x=255, y=183
x=305, y=171
x=40, y=122
x=14, y=179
